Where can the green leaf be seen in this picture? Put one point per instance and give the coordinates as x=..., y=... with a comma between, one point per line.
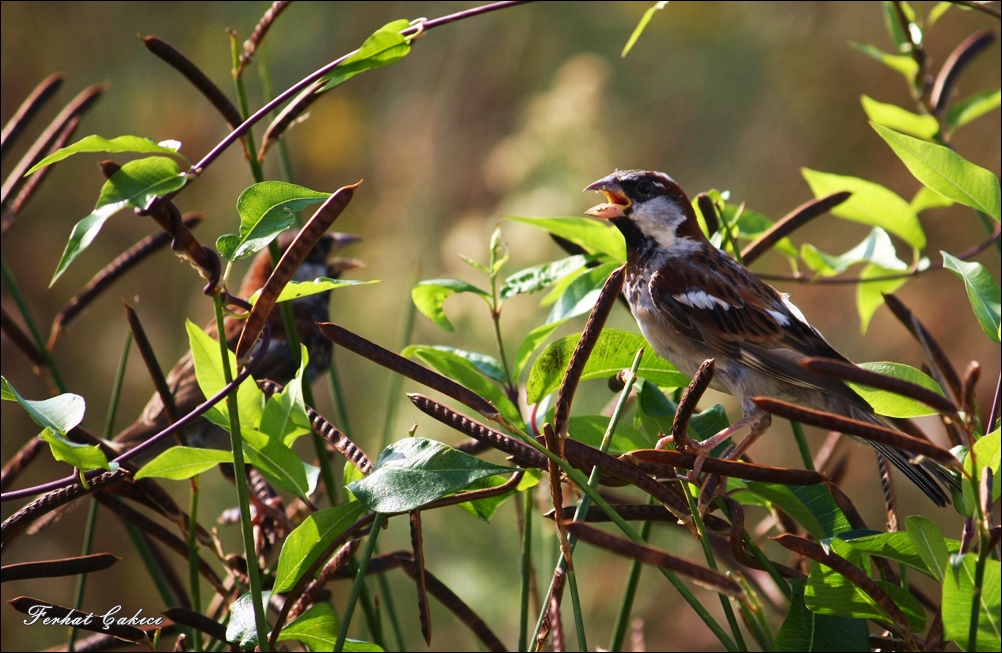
x=590, y=429
x=898, y=119
x=930, y=545
x=82, y=456
x=539, y=277
x=870, y=204
x=117, y=145
x=266, y=209
x=907, y=548
x=946, y=172
x=811, y=506
x=982, y=291
x=641, y=26
x=429, y=297
x=959, y=590
x=60, y=413
x=803, y=631
x=875, y=248
x=484, y=509
x=385, y=46
x=304, y=545
x=284, y=416
x=242, y=628
x=902, y=63
x=936, y=13
x=211, y=380
x=927, y=198
x=279, y=464
x=137, y=183
x=894, y=405
x=318, y=629
x=531, y=343
x=613, y=352
x=596, y=237
x=486, y=365
x=297, y=289
x=752, y=224
x=462, y=370
x=831, y=593
x=657, y=413
x=972, y=108
x=986, y=454
x=415, y=471
x=179, y=463
x=582, y=293
x=870, y=294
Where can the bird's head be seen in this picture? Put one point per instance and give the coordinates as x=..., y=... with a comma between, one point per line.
x=651, y=210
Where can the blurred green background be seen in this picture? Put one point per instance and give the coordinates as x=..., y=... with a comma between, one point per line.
x=511, y=113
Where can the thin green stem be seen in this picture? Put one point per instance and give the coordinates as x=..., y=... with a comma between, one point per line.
x=85, y=550
x=805, y=452
x=632, y=582
x=243, y=494
x=29, y=321
x=711, y=562
x=356, y=588
x=193, y=578
x=526, y=571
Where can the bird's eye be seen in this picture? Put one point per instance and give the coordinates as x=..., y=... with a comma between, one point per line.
x=645, y=188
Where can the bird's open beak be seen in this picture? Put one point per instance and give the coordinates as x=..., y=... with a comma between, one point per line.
x=617, y=202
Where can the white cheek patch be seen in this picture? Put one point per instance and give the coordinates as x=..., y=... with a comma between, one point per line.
x=779, y=317
x=701, y=299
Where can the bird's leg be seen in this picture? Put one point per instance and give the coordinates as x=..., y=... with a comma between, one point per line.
x=759, y=423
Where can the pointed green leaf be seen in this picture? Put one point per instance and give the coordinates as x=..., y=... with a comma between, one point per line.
x=986, y=454
x=486, y=365
x=972, y=108
x=982, y=291
x=179, y=463
x=242, y=627
x=385, y=46
x=415, y=471
x=927, y=198
x=137, y=183
x=279, y=464
x=614, y=351
x=591, y=234
x=893, y=405
x=582, y=293
x=484, y=509
x=831, y=593
x=811, y=506
x=870, y=204
x=804, y=631
x=429, y=297
x=875, y=248
x=60, y=413
x=870, y=294
x=930, y=544
x=946, y=172
x=266, y=209
x=531, y=343
x=82, y=456
x=538, y=277
x=641, y=26
x=902, y=63
x=462, y=370
x=117, y=145
x=304, y=545
x=297, y=289
x=959, y=592
x=284, y=416
x=209, y=373
x=318, y=629
x=898, y=119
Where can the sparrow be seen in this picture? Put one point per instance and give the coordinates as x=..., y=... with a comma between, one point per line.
x=278, y=362
x=693, y=302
